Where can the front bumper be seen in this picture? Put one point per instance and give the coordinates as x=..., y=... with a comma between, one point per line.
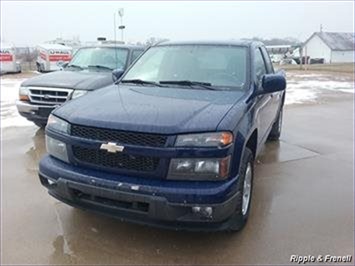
x=144, y=204
x=36, y=113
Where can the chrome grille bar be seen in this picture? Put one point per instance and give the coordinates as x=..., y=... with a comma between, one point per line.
x=50, y=96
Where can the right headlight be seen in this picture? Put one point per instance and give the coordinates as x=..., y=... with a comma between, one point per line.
x=23, y=94
x=57, y=149
x=56, y=124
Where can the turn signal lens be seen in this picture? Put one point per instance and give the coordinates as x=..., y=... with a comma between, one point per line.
x=226, y=138
x=57, y=124
x=24, y=98
x=213, y=139
x=224, y=167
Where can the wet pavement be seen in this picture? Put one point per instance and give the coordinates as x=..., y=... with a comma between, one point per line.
x=303, y=204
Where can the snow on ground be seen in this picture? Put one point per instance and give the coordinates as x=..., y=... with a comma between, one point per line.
x=8, y=96
x=302, y=88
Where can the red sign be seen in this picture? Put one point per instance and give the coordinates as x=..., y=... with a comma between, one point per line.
x=6, y=57
x=59, y=57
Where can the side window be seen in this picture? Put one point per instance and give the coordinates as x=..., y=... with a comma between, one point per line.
x=270, y=68
x=259, y=65
x=135, y=54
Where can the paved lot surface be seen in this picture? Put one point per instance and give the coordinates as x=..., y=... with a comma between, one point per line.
x=303, y=203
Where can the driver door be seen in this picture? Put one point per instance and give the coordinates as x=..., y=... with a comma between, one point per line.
x=264, y=113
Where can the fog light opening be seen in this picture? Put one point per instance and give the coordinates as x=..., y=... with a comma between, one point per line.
x=50, y=182
x=205, y=212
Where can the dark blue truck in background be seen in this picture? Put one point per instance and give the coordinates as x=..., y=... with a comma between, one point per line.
x=173, y=142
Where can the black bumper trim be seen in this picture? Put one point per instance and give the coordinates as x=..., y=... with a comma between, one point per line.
x=140, y=208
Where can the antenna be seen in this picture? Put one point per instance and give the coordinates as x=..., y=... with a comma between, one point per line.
x=321, y=28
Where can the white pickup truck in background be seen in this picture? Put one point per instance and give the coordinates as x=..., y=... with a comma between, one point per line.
x=52, y=56
x=8, y=62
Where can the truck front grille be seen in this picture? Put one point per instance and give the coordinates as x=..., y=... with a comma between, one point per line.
x=121, y=137
x=50, y=96
x=102, y=158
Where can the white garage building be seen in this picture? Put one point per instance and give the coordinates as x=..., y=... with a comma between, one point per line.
x=333, y=47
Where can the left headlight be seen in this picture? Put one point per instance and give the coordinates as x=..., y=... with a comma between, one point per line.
x=207, y=169
x=78, y=93
x=56, y=124
x=212, y=139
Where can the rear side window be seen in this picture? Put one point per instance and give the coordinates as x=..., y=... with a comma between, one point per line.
x=269, y=66
x=259, y=65
x=135, y=54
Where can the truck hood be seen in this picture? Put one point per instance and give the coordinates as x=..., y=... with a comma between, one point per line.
x=150, y=109
x=83, y=80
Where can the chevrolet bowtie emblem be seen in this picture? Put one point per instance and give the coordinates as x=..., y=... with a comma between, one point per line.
x=111, y=147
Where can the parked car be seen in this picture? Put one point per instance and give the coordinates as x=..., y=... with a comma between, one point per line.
x=90, y=69
x=8, y=60
x=173, y=142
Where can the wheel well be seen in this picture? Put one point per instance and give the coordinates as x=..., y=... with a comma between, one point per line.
x=252, y=142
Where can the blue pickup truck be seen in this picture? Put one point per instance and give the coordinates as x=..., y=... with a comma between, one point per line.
x=173, y=142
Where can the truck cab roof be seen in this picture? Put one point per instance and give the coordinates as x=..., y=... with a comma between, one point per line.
x=246, y=43
x=127, y=46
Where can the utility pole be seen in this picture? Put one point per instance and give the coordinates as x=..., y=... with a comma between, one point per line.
x=121, y=27
x=114, y=27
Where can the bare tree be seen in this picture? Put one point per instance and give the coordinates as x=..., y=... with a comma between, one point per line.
x=27, y=56
x=155, y=40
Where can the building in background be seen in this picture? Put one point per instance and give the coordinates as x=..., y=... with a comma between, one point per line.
x=332, y=47
x=74, y=42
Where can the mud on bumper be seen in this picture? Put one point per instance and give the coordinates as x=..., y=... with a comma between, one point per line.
x=139, y=208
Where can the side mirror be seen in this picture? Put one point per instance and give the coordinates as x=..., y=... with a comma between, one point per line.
x=63, y=65
x=116, y=74
x=273, y=82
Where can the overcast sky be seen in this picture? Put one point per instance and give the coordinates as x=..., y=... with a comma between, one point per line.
x=30, y=23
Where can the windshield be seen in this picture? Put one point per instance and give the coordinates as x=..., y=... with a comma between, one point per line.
x=104, y=57
x=216, y=65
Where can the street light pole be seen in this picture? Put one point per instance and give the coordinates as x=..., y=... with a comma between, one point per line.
x=121, y=27
x=114, y=27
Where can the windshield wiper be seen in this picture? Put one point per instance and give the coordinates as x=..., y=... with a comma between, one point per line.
x=75, y=66
x=205, y=85
x=101, y=67
x=140, y=81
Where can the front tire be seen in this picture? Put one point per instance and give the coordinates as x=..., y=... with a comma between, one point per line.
x=39, y=69
x=245, y=189
x=275, y=132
